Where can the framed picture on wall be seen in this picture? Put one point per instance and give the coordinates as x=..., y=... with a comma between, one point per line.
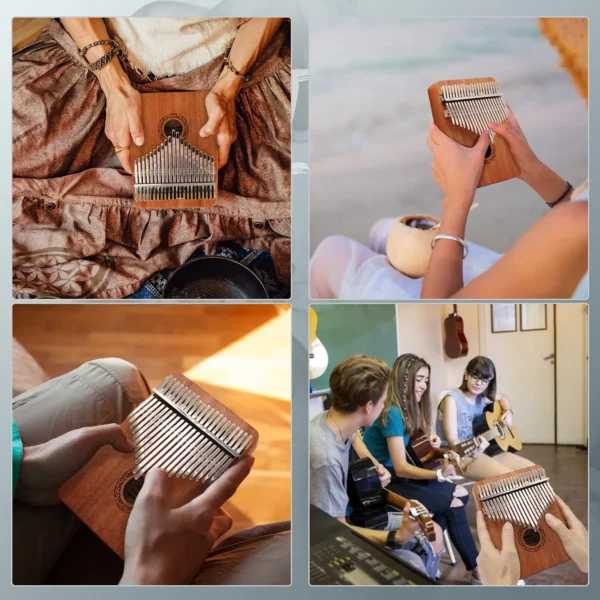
x=504, y=318
x=533, y=317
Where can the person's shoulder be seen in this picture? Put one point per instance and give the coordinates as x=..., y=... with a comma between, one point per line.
x=395, y=413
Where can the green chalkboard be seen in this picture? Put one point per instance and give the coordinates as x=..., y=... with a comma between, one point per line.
x=346, y=329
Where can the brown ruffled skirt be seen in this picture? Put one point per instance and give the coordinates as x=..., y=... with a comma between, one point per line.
x=76, y=233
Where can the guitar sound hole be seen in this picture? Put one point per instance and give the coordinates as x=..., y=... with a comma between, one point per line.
x=132, y=489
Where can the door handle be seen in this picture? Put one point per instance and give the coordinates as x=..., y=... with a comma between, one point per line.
x=549, y=357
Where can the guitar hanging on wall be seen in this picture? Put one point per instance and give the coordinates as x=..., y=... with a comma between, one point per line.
x=455, y=342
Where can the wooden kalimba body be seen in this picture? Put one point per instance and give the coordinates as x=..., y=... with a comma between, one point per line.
x=523, y=497
x=463, y=109
x=175, y=167
x=179, y=428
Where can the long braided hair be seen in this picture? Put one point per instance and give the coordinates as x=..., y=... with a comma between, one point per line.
x=401, y=393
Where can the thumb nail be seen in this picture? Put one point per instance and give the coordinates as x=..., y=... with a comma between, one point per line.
x=203, y=133
x=493, y=125
x=139, y=141
x=550, y=519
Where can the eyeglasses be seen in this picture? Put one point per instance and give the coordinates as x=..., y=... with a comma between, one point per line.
x=477, y=378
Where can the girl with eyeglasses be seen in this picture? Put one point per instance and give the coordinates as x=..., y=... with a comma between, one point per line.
x=460, y=407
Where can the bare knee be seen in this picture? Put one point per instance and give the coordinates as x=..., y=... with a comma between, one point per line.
x=460, y=491
x=456, y=503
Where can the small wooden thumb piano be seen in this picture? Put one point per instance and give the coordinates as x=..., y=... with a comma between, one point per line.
x=463, y=109
x=522, y=498
x=175, y=167
x=181, y=429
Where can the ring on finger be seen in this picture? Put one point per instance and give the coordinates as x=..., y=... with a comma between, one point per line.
x=117, y=149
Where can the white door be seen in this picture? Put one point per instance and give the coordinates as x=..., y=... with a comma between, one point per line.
x=525, y=372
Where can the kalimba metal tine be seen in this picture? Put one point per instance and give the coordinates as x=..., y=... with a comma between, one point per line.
x=182, y=430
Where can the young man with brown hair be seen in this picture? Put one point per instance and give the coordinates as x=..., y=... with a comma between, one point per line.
x=358, y=389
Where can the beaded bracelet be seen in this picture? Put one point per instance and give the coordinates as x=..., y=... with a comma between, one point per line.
x=116, y=50
x=233, y=69
x=565, y=194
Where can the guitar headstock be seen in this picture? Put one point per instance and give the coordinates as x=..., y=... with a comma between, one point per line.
x=467, y=447
x=421, y=514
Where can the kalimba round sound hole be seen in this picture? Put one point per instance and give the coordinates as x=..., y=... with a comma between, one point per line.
x=490, y=153
x=132, y=489
x=172, y=127
x=531, y=538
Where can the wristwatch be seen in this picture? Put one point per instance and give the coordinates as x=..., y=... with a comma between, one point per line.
x=391, y=539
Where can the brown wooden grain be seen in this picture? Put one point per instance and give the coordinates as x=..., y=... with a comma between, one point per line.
x=191, y=106
x=500, y=166
x=550, y=554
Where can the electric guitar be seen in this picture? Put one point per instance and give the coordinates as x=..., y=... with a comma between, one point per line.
x=455, y=343
x=488, y=426
x=318, y=357
x=366, y=494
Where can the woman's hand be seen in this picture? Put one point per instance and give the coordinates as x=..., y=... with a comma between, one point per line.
x=497, y=567
x=123, y=114
x=456, y=169
x=384, y=475
x=507, y=418
x=434, y=440
x=46, y=467
x=519, y=147
x=482, y=447
x=168, y=546
x=573, y=535
x=448, y=470
x=220, y=106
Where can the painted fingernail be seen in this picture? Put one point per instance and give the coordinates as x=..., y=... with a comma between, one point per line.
x=139, y=141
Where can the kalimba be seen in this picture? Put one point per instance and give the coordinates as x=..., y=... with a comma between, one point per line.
x=523, y=497
x=181, y=429
x=463, y=109
x=175, y=167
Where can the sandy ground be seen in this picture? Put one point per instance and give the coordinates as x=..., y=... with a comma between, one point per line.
x=369, y=115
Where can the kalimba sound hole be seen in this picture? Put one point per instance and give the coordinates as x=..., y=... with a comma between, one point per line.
x=490, y=153
x=173, y=126
x=132, y=489
x=531, y=538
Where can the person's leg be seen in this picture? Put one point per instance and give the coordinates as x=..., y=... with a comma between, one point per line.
x=98, y=392
x=258, y=555
x=483, y=467
x=455, y=520
x=512, y=461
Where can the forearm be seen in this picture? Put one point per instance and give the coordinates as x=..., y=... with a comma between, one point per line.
x=409, y=471
x=86, y=31
x=378, y=537
x=545, y=182
x=362, y=450
x=444, y=275
x=251, y=39
x=547, y=262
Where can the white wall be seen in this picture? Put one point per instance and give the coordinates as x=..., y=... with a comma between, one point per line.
x=571, y=380
x=420, y=330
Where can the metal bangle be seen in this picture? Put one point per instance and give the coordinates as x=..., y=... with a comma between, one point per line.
x=446, y=236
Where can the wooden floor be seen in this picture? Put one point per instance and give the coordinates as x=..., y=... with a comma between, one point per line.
x=567, y=468
x=241, y=354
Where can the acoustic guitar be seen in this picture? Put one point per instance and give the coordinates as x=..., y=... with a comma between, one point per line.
x=318, y=357
x=367, y=495
x=425, y=456
x=455, y=342
x=488, y=426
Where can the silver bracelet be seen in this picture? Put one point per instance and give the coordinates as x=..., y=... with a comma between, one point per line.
x=446, y=236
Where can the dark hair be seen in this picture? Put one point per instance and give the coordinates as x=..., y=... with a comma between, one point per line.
x=356, y=381
x=481, y=366
x=401, y=393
